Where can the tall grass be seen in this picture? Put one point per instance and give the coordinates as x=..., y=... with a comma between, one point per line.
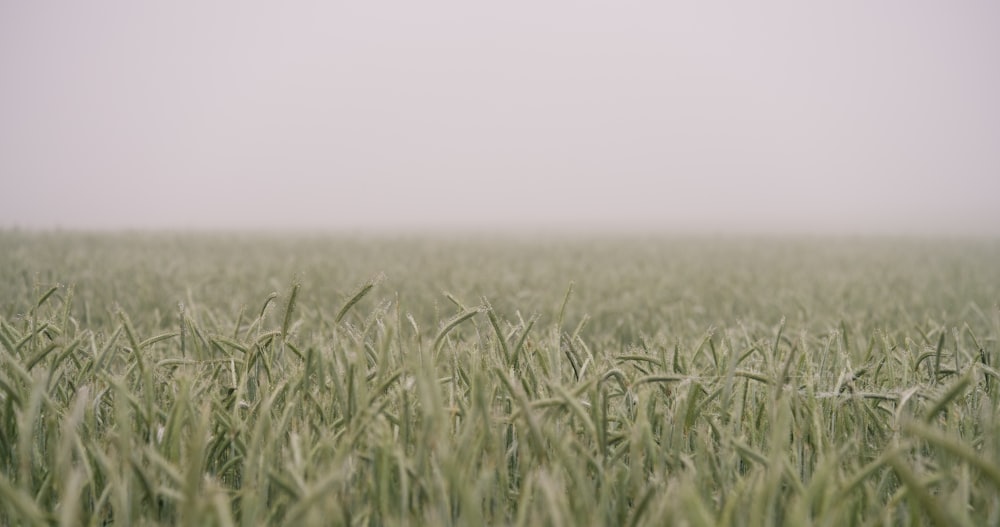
x=347, y=400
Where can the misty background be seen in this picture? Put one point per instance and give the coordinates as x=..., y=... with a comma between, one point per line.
x=852, y=117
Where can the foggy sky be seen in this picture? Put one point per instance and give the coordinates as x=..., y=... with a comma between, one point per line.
x=857, y=116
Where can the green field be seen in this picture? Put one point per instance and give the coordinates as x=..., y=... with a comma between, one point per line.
x=239, y=379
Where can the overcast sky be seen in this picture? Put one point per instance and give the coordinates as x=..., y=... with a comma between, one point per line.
x=840, y=116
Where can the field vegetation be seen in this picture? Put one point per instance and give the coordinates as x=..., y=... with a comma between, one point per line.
x=212, y=379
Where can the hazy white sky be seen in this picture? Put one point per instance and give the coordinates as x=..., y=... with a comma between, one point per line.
x=842, y=116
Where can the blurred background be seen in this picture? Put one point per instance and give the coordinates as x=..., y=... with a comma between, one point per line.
x=722, y=117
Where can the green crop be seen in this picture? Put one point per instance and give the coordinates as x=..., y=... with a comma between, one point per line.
x=150, y=379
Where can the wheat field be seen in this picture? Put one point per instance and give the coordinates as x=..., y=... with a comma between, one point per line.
x=313, y=379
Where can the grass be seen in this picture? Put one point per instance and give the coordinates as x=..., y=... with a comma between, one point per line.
x=248, y=380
